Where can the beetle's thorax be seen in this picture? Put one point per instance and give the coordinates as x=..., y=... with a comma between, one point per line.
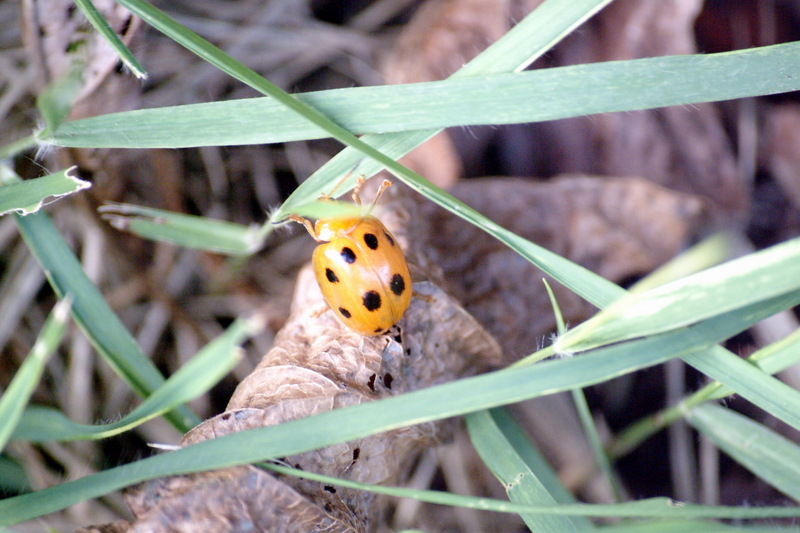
x=329, y=228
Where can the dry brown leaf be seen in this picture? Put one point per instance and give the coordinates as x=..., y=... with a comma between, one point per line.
x=317, y=365
x=617, y=227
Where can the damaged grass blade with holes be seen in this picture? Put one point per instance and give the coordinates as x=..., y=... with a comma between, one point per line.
x=26, y=197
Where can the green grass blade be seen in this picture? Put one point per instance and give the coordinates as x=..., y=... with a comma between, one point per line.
x=443, y=401
x=184, y=230
x=101, y=25
x=548, y=24
x=17, y=147
x=768, y=455
x=695, y=526
x=750, y=382
x=595, y=442
x=584, y=412
x=498, y=450
x=524, y=448
x=28, y=196
x=487, y=99
x=194, y=378
x=214, y=56
x=18, y=393
x=92, y=313
x=779, y=355
x=743, y=281
x=774, y=358
x=55, y=101
x=13, y=478
x=530, y=38
x=650, y=508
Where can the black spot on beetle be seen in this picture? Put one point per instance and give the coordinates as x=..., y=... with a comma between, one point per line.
x=331, y=275
x=328, y=507
x=371, y=300
x=348, y=255
x=344, y=312
x=389, y=238
x=371, y=382
x=398, y=284
x=387, y=380
x=371, y=241
x=330, y=488
x=378, y=330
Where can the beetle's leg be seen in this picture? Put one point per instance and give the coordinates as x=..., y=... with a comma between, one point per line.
x=306, y=224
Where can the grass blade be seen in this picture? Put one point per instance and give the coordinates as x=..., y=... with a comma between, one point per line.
x=16, y=396
x=25, y=197
x=749, y=381
x=443, y=401
x=101, y=25
x=732, y=285
x=92, y=313
x=770, y=456
x=13, y=478
x=55, y=101
x=683, y=526
x=774, y=358
x=189, y=231
x=486, y=99
x=649, y=508
x=496, y=439
x=194, y=378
